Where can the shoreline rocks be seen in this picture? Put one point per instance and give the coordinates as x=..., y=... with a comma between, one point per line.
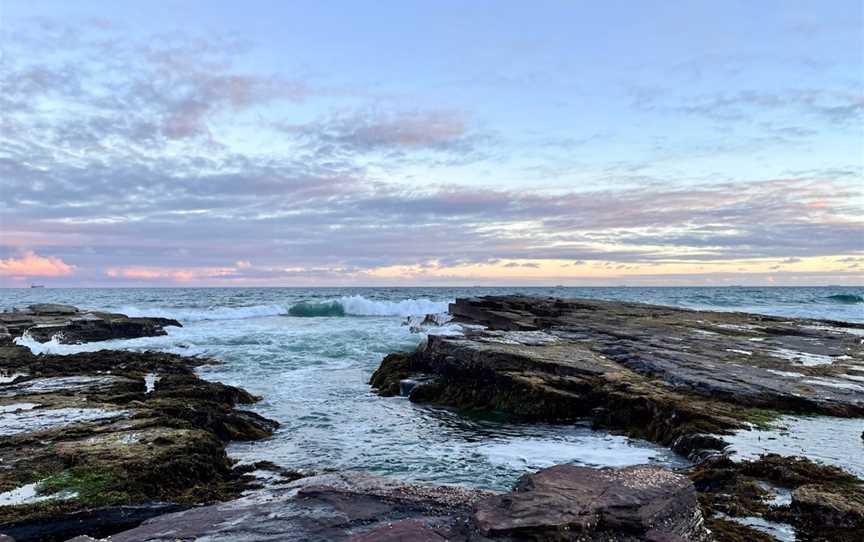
x=685, y=379
x=46, y=321
x=96, y=442
x=132, y=444
x=566, y=502
x=670, y=375
x=560, y=503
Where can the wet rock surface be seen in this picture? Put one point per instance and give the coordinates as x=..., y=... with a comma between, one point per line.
x=560, y=503
x=96, y=442
x=45, y=321
x=683, y=378
x=664, y=373
x=566, y=502
x=338, y=506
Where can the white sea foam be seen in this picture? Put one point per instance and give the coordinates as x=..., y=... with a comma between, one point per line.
x=29, y=494
x=355, y=305
x=198, y=314
x=360, y=306
x=593, y=450
x=54, y=346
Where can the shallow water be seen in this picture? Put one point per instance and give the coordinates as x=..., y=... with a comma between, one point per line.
x=828, y=440
x=313, y=374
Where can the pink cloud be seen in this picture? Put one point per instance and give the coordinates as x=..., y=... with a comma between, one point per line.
x=175, y=274
x=30, y=264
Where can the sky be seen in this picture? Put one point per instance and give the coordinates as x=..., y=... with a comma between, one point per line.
x=209, y=143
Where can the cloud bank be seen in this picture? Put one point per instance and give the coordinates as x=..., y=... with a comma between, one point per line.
x=168, y=161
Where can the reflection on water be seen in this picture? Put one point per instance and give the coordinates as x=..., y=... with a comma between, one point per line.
x=828, y=440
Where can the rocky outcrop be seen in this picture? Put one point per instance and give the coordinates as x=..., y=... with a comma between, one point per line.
x=560, y=503
x=826, y=507
x=671, y=375
x=566, y=502
x=96, y=442
x=69, y=325
x=818, y=502
x=683, y=378
x=328, y=507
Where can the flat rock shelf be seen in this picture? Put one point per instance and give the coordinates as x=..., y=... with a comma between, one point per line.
x=691, y=380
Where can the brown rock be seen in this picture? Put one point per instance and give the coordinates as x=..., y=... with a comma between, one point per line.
x=567, y=502
x=829, y=508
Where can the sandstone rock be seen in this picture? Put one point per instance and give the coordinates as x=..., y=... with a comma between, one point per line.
x=567, y=502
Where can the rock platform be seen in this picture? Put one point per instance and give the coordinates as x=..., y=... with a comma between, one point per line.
x=682, y=378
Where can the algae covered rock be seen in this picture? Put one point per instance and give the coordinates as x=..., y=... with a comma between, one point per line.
x=98, y=446
x=830, y=507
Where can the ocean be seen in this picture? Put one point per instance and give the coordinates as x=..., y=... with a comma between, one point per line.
x=309, y=352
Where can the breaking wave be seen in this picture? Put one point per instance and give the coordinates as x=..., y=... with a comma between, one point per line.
x=846, y=299
x=355, y=305
x=317, y=309
x=361, y=306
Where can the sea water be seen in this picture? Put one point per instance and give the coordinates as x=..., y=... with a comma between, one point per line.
x=310, y=352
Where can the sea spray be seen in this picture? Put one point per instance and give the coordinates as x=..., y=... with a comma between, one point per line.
x=361, y=306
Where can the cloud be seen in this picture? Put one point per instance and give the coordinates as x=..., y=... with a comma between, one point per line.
x=171, y=274
x=386, y=131
x=135, y=94
x=169, y=159
x=525, y=264
x=30, y=264
x=837, y=106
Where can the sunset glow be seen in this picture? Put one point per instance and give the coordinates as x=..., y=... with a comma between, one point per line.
x=406, y=144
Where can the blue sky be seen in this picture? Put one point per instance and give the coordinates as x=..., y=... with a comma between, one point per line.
x=436, y=143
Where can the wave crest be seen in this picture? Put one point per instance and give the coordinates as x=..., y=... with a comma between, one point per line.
x=332, y=308
x=846, y=299
x=357, y=305
x=361, y=306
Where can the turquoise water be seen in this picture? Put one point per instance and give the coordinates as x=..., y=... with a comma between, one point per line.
x=312, y=369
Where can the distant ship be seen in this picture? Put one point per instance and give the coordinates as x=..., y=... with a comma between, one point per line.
x=37, y=285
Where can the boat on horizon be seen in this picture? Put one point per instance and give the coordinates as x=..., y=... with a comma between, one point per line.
x=37, y=285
